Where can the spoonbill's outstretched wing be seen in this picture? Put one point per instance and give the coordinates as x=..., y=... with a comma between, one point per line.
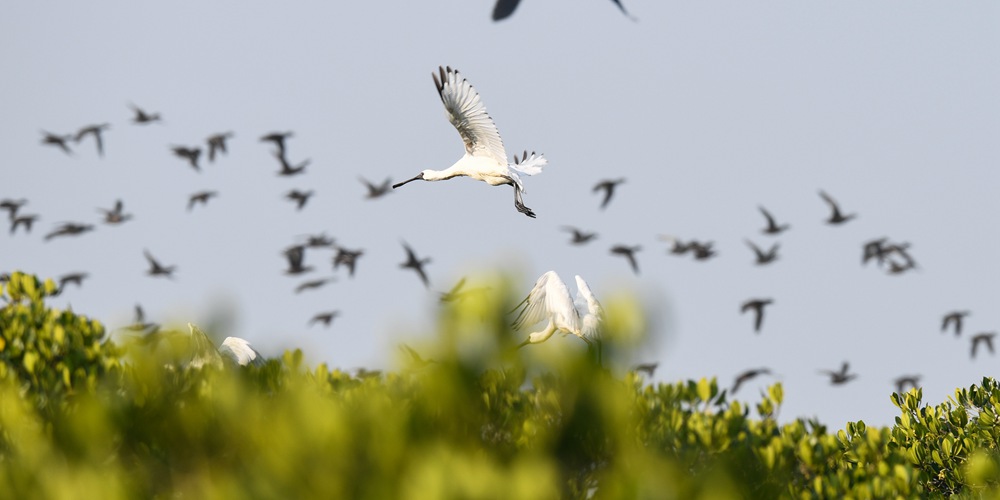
x=549, y=300
x=591, y=322
x=240, y=352
x=468, y=114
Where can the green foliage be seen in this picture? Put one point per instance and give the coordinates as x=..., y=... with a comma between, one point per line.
x=468, y=417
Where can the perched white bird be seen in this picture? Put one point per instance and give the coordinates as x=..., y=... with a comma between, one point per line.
x=485, y=158
x=550, y=300
x=233, y=349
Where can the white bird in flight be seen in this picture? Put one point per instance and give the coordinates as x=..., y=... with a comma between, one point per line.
x=485, y=158
x=550, y=300
x=233, y=349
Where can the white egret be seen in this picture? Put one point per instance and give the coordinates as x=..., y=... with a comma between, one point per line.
x=233, y=349
x=550, y=300
x=485, y=158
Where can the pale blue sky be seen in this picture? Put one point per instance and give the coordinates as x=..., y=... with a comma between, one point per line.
x=707, y=108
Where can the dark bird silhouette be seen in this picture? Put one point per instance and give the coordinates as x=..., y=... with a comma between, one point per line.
x=313, y=284
x=116, y=215
x=278, y=138
x=189, y=154
x=954, y=318
x=416, y=264
x=748, y=375
x=12, y=206
x=458, y=292
x=629, y=253
x=913, y=381
x=69, y=229
x=299, y=197
x=900, y=250
x=94, y=130
x=287, y=169
x=295, y=256
x=677, y=247
x=757, y=305
x=874, y=249
x=772, y=227
x=982, y=338
x=608, y=185
x=71, y=279
x=504, y=8
x=157, y=269
x=324, y=317
x=217, y=144
x=377, y=190
x=836, y=217
x=579, y=237
x=58, y=141
x=648, y=368
x=201, y=197
x=24, y=220
x=703, y=251
x=319, y=240
x=416, y=360
x=140, y=324
x=347, y=258
x=141, y=117
x=764, y=257
x=841, y=377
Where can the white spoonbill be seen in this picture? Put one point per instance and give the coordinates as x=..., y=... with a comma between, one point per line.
x=550, y=300
x=233, y=349
x=485, y=158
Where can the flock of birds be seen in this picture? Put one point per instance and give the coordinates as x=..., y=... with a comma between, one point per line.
x=485, y=159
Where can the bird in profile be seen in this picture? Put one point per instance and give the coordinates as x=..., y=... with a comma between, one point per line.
x=377, y=190
x=347, y=258
x=900, y=251
x=772, y=227
x=764, y=257
x=116, y=215
x=295, y=256
x=59, y=141
x=955, y=319
x=189, y=154
x=93, y=130
x=549, y=300
x=629, y=253
x=140, y=324
x=703, y=251
x=141, y=117
x=69, y=229
x=836, y=217
x=504, y=8
x=911, y=381
x=840, y=377
x=648, y=368
x=313, y=284
x=485, y=158
x=299, y=197
x=324, y=317
x=677, y=247
x=318, y=240
x=12, y=206
x=157, y=269
x=23, y=220
x=579, y=237
x=757, y=306
x=201, y=197
x=278, y=139
x=412, y=262
x=608, y=186
x=747, y=376
x=985, y=338
x=71, y=279
x=874, y=249
x=287, y=169
x=217, y=144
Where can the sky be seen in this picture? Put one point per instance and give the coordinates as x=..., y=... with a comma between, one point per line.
x=707, y=109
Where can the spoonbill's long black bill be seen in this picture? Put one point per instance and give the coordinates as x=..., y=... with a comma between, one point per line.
x=418, y=177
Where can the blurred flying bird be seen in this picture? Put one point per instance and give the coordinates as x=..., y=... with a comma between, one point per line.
x=217, y=144
x=840, y=377
x=757, y=305
x=982, y=338
x=485, y=158
x=459, y=293
x=703, y=251
x=24, y=220
x=157, y=269
x=313, y=284
x=677, y=247
x=324, y=317
x=549, y=300
x=746, y=376
x=954, y=318
x=504, y=8
x=71, y=279
x=94, y=130
x=348, y=258
x=629, y=253
x=201, y=197
x=141, y=117
x=12, y=206
x=648, y=368
x=377, y=191
x=913, y=381
x=69, y=229
x=608, y=185
x=412, y=262
x=318, y=240
x=233, y=351
x=278, y=138
x=140, y=324
x=299, y=197
x=579, y=237
x=189, y=154
x=874, y=249
x=116, y=215
x=764, y=257
x=772, y=227
x=58, y=141
x=287, y=169
x=835, y=216
x=295, y=256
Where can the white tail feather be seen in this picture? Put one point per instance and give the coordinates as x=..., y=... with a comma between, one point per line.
x=529, y=164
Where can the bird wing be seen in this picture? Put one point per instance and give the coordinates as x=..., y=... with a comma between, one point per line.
x=504, y=8
x=240, y=351
x=548, y=299
x=468, y=114
x=591, y=323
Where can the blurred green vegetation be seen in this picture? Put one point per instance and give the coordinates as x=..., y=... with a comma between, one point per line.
x=466, y=416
